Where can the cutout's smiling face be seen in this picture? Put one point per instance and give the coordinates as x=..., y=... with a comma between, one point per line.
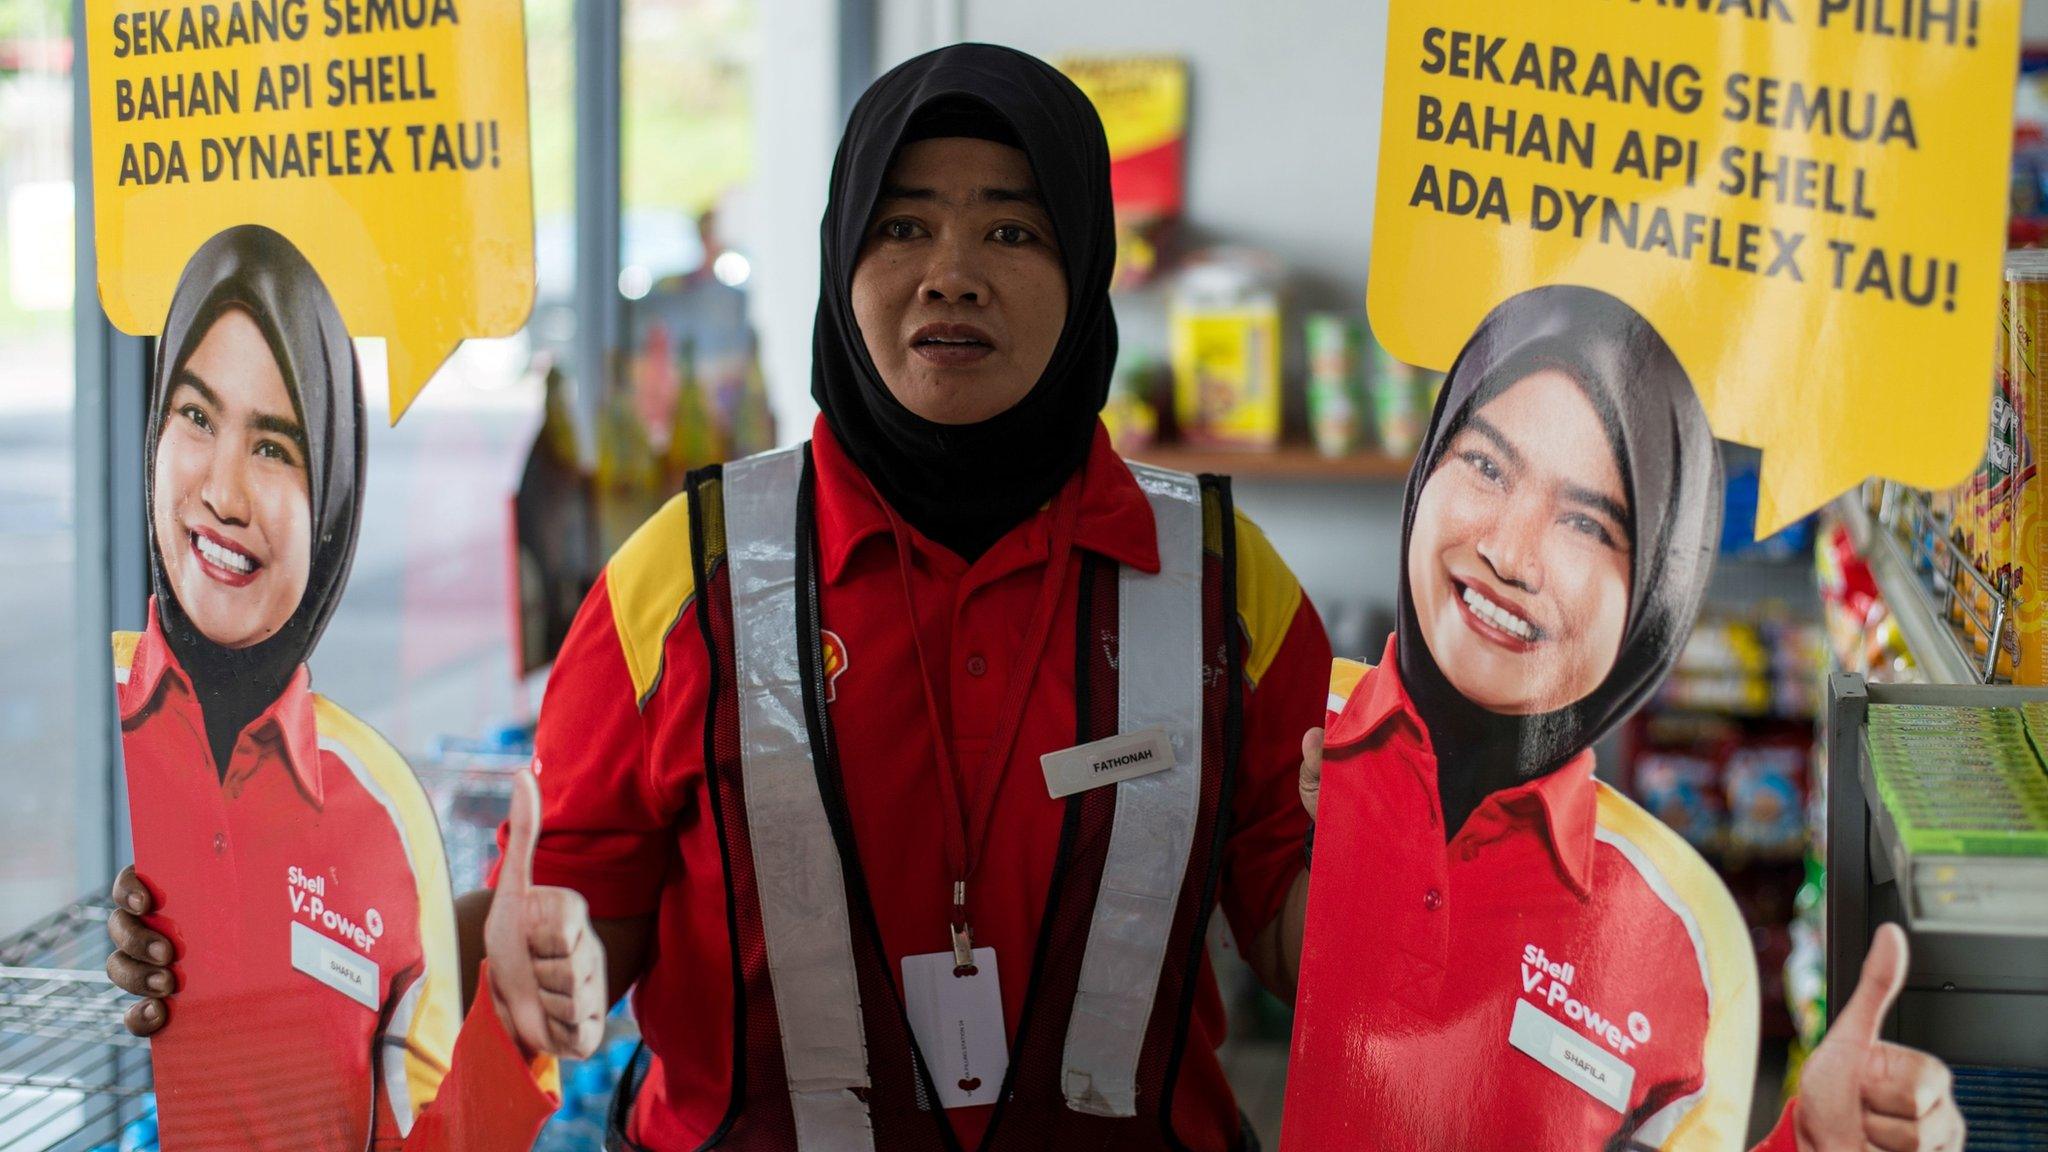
x=959, y=290
x=231, y=499
x=1519, y=558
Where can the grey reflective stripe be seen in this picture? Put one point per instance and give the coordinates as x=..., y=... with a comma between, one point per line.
x=796, y=860
x=1159, y=677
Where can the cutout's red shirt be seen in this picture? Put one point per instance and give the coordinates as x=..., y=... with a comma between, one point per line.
x=1563, y=973
x=305, y=889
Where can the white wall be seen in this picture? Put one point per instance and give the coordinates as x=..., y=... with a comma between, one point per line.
x=1284, y=111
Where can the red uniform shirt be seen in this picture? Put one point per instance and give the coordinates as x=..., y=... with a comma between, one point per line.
x=318, y=999
x=627, y=820
x=1564, y=969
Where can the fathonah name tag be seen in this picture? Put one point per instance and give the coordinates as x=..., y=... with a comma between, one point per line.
x=1106, y=761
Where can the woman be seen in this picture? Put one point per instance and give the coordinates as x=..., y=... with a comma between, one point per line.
x=964, y=541
x=1549, y=967
x=293, y=875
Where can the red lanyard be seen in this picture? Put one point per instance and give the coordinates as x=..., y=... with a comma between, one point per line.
x=967, y=829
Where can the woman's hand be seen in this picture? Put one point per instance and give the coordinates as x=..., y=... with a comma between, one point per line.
x=1311, y=769
x=1858, y=1091
x=141, y=963
x=547, y=965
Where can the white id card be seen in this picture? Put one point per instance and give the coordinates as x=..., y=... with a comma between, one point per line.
x=1106, y=761
x=1579, y=1059
x=332, y=964
x=958, y=1024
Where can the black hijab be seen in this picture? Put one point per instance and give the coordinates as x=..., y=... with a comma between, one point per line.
x=258, y=271
x=966, y=485
x=1671, y=471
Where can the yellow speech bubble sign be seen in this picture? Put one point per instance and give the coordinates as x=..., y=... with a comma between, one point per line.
x=387, y=139
x=1806, y=197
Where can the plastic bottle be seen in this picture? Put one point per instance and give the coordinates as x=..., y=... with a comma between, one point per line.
x=692, y=441
x=140, y=1135
x=754, y=424
x=573, y=1128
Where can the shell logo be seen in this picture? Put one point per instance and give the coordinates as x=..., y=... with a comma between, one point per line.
x=835, y=661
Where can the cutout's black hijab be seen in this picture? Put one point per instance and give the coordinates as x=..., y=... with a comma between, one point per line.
x=260, y=272
x=964, y=486
x=1671, y=471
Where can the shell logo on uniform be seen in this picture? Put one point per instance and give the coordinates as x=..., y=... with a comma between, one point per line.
x=835, y=661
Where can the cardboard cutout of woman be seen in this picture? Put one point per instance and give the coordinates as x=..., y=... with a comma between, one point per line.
x=292, y=863
x=1501, y=951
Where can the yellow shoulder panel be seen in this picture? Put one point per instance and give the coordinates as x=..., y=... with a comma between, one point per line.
x=1267, y=597
x=124, y=654
x=1345, y=677
x=419, y=1037
x=651, y=582
x=1717, y=1116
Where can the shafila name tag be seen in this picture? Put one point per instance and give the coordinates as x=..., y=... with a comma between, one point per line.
x=325, y=960
x=958, y=1023
x=1576, y=1057
x=1106, y=761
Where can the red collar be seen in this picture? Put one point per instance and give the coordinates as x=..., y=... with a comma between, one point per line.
x=288, y=723
x=1564, y=803
x=1115, y=520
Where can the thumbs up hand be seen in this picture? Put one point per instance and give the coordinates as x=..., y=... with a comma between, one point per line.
x=1311, y=781
x=546, y=962
x=1858, y=1091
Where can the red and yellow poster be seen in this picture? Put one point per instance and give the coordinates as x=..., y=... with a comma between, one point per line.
x=1807, y=197
x=1143, y=102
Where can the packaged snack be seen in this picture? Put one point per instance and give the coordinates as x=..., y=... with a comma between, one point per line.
x=1428, y=386
x=1681, y=791
x=1225, y=325
x=2002, y=459
x=1336, y=396
x=2024, y=313
x=1963, y=782
x=1128, y=414
x=1397, y=412
x=1764, y=785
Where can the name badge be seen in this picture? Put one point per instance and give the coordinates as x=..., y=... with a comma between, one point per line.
x=958, y=1023
x=351, y=974
x=1106, y=761
x=1577, y=1058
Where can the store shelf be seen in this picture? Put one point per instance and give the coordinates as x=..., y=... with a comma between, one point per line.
x=71, y=1077
x=1293, y=463
x=1902, y=860
x=1934, y=642
x=1976, y=992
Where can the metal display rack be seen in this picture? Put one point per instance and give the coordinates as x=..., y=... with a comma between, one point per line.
x=1976, y=993
x=71, y=1077
x=1907, y=545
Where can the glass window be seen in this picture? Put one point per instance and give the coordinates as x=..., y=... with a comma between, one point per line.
x=686, y=389
x=423, y=646
x=38, y=868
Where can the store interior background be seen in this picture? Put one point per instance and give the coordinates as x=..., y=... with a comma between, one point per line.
x=730, y=106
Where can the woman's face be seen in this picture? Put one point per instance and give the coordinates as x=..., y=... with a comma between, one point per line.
x=232, y=508
x=959, y=289
x=1519, y=557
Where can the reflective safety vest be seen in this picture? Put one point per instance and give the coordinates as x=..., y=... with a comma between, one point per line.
x=828, y=1062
